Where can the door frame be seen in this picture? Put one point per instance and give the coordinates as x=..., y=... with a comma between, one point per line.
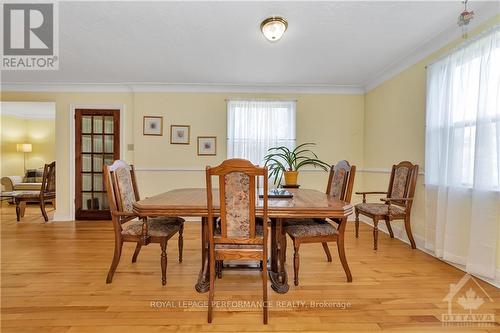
x=72, y=135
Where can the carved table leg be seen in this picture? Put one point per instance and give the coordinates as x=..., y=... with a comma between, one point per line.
x=277, y=270
x=203, y=283
x=18, y=211
x=20, y=208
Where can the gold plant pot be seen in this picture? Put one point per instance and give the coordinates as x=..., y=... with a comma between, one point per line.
x=291, y=177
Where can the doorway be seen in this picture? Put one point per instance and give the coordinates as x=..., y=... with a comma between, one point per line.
x=97, y=143
x=28, y=142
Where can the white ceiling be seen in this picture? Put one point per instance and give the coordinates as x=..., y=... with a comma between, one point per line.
x=219, y=43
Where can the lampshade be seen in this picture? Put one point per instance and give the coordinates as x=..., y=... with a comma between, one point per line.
x=24, y=147
x=273, y=28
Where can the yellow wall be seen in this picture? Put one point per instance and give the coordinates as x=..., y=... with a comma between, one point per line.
x=395, y=129
x=318, y=120
x=321, y=118
x=39, y=132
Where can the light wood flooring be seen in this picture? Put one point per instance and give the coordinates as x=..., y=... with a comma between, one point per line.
x=53, y=280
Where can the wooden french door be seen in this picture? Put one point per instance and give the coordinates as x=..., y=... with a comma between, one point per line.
x=97, y=142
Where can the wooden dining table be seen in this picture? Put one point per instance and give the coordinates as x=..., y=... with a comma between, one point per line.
x=192, y=202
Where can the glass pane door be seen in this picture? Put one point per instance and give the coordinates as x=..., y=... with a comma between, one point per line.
x=97, y=144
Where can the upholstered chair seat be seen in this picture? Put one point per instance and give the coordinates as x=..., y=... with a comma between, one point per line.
x=380, y=209
x=28, y=195
x=157, y=226
x=237, y=247
x=309, y=228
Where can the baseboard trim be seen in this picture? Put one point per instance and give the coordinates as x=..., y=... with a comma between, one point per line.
x=61, y=218
x=400, y=234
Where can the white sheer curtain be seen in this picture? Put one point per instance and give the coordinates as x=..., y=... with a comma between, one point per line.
x=463, y=155
x=254, y=126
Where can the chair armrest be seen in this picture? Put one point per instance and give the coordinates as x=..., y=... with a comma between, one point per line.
x=388, y=201
x=395, y=199
x=372, y=192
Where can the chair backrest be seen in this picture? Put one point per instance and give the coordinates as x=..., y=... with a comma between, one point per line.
x=402, y=183
x=121, y=188
x=237, y=200
x=341, y=181
x=49, y=179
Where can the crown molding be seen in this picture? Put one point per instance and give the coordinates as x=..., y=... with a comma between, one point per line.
x=63, y=87
x=422, y=51
x=182, y=88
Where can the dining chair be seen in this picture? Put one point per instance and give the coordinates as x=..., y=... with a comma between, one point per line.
x=397, y=205
x=239, y=236
x=121, y=187
x=48, y=188
x=314, y=230
x=47, y=193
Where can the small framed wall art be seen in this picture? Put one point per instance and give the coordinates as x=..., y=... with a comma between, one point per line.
x=207, y=145
x=152, y=125
x=179, y=134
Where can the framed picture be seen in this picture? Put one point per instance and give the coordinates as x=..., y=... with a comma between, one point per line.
x=152, y=125
x=179, y=134
x=207, y=145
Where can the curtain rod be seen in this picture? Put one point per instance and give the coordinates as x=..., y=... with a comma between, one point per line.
x=464, y=44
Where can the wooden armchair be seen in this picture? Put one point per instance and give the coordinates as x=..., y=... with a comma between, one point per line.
x=340, y=185
x=239, y=237
x=397, y=205
x=121, y=187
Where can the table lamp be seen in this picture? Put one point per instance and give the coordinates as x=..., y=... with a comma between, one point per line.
x=24, y=148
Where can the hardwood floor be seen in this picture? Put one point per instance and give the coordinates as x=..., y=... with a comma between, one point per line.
x=53, y=280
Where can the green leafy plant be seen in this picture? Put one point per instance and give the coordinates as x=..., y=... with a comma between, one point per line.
x=281, y=159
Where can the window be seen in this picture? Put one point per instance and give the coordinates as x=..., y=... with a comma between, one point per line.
x=254, y=126
x=462, y=155
x=463, y=116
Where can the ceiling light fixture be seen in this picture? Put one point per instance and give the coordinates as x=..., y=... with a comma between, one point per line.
x=464, y=19
x=273, y=28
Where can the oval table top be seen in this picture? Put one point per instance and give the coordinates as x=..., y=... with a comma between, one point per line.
x=193, y=202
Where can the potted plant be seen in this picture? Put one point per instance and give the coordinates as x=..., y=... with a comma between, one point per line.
x=283, y=161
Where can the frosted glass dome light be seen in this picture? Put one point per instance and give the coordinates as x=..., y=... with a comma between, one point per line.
x=273, y=28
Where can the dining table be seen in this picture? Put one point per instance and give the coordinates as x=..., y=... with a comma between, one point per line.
x=192, y=202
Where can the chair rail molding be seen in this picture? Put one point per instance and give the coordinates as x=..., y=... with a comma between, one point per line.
x=199, y=169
